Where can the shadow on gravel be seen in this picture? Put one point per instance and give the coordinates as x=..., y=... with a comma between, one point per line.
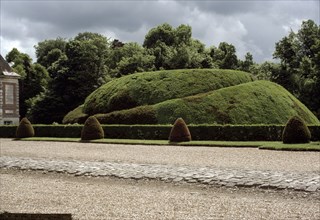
x=34, y=216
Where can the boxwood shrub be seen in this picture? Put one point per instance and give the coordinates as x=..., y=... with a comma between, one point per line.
x=161, y=132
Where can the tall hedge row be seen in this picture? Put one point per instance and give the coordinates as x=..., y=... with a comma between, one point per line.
x=161, y=132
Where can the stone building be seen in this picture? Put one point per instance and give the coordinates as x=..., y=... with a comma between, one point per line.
x=9, y=94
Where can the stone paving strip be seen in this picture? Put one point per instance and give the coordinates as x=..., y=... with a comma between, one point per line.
x=307, y=181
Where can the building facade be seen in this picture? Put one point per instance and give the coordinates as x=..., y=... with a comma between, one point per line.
x=9, y=94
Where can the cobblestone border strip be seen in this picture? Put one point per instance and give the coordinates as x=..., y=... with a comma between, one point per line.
x=308, y=182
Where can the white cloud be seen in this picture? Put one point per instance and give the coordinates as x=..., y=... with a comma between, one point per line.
x=7, y=45
x=293, y=25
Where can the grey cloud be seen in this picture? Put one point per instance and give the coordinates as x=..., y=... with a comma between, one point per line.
x=262, y=21
x=227, y=7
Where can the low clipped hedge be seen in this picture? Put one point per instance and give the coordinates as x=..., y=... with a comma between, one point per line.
x=161, y=132
x=296, y=131
x=179, y=132
x=92, y=130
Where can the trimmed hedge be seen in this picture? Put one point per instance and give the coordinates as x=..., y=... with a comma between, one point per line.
x=92, y=130
x=179, y=132
x=296, y=131
x=24, y=129
x=161, y=132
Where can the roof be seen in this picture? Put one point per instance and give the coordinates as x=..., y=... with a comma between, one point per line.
x=5, y=69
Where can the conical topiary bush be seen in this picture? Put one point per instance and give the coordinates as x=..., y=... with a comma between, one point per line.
x=92, y=129
x=296, y=131
x=24, y=129
x=179, y=132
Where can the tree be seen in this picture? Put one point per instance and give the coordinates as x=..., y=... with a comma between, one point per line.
x=266, y=70
x=128, y=58
x=76, y=70
x=34, y=78
x=174, y=48
x=49, y=51
x=299, y=55
x=87, y=54
x=224, y=56
x=247, y=63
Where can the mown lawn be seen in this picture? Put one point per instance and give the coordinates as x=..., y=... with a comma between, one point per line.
x=266, y=145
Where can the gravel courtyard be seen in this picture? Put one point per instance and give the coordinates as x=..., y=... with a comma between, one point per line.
x=106, y=197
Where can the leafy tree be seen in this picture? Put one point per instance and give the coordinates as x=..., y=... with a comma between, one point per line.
x=247, y=63
x=175, y=48
x=266, y=70
x=49, y=51
x=33, y=81
x=86, y=62
x=128, y=58
x=76, y=71
x=224, y=56
x=299, y=55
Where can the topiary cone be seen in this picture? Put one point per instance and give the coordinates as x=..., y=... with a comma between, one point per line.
x=296, y=131
x=24, y=129
x=92, y=129
x=179, y=132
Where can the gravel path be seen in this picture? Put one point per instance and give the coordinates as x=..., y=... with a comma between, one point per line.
x=302, y=181
x=239, y=158
x=189, y=173
x=105, y=198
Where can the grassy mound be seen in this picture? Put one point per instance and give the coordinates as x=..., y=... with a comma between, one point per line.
x=154, y=87
x=75, y=116
x=259, y=102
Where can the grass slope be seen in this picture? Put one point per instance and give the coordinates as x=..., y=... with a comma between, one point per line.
x=154, y=87
x=258, y=102
x=75, y=116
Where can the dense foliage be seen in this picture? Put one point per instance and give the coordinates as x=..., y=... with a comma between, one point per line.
x=299, y=68
x=34, y=78
x=296, y=131
x=78, y=68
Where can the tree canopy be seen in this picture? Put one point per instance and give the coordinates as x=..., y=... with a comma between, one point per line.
x=299, y=55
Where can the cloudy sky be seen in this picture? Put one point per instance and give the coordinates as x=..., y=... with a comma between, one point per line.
x=250, y=25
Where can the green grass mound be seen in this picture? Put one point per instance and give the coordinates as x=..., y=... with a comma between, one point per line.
x=154, y=87
x=296, y=132
x=258, y=102
x=24, y=129
x=75, y=116
x=92, y=130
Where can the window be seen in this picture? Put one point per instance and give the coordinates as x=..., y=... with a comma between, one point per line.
x=9, y=94
x=9, y=98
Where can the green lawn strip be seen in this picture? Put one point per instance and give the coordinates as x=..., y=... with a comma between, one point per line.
x=154, y=142
x=313, y=146
x=49, y=139
x=131, y=141
x=268, y=145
